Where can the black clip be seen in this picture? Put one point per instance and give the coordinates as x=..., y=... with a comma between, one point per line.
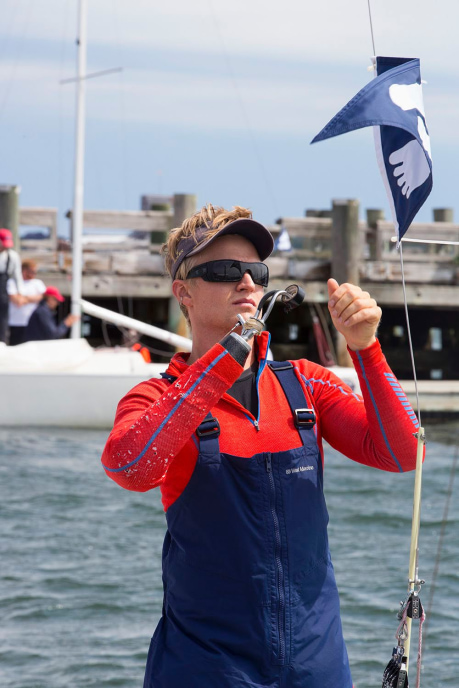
x=305, y=418
x=414, y=608
x=402, y=681
x=204, y=430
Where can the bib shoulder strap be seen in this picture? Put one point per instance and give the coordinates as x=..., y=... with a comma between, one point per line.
x=168, y=377
x=208, y=432
x=303, y=413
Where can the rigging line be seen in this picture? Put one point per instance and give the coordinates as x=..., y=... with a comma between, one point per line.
x=427, y=241
x=371, y=28
x=410, y=342
x=92, y=75
x=440, y=540
x=122, y=104
x=7, y=36
x=61, y=168
x=12, y=75
x=245, y=116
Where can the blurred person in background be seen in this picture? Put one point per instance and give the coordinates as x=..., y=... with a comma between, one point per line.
x=42, y=324
x=23, y=305
x=10, y=268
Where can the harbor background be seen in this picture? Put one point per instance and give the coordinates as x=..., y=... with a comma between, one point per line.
x=80, y=580
x=222, y=102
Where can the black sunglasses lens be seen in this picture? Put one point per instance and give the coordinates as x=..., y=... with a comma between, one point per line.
x=233, y=271
x=259, y=273
x=225, y=271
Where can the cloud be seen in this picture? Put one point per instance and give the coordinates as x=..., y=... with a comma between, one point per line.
x=275, y=67
x=216, y=73
x=319, y=32
x=188, y=91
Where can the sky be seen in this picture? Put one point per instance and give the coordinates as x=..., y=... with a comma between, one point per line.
x=216, y=98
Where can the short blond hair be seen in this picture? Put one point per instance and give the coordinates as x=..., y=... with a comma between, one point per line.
x=213, y=217
x=29, y=264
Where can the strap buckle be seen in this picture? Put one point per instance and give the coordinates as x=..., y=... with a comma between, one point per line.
x=209, y=426
x=280, y=365
x=305, y=418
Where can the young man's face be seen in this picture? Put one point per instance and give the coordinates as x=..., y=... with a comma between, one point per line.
x=52, y=302
x=29, y=273
x=215, y=305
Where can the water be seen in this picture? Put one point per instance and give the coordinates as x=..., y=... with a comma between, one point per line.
x=80, y=583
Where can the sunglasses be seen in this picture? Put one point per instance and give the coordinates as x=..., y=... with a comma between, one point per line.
x=230, y=271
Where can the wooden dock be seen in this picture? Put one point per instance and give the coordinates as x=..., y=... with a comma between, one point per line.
x=436, y=397
x=123, y=269
x=132, y=266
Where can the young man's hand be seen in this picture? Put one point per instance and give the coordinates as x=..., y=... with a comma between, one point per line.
x=70, y=319
x=354, y=313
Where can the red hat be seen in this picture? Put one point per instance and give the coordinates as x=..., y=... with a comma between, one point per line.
x=6, y=238
x=54, y=291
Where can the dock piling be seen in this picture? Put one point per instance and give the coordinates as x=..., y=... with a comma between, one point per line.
x=9, y=211
x=346, y=253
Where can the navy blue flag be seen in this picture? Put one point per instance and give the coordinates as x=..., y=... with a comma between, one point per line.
x=392, y=103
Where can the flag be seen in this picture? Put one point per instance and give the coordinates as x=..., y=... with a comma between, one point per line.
x=282, y=242
x=392, y=104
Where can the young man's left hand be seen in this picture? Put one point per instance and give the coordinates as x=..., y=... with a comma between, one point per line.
x=354, y=313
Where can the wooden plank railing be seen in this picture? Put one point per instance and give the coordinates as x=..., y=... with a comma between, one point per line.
x=309, y=259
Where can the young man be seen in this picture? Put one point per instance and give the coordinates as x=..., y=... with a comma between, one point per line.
x=23, y=305
x=235, y=444
x=10, y=268
x=42, y=324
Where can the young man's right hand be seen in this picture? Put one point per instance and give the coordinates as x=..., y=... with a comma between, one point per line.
x=70, y=319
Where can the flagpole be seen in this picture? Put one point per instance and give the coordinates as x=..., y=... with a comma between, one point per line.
x=413, y=573
x=413, y=576
x=375, y=105
x=77, y=213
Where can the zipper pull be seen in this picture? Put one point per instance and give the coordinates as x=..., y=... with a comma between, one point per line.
x=257, y=427
x=268, y=463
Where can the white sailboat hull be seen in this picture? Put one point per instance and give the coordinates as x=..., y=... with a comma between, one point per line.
x=66, y=383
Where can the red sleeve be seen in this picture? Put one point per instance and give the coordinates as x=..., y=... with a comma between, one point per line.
x=152, y=425
x=378, y=431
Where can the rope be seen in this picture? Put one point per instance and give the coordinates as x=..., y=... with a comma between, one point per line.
x=125, y=171
x=404, y=629
x=419, y=660
x=232, y=77
x=402, y=634
x=440, y=242
x=371, y=29
x=410, y=342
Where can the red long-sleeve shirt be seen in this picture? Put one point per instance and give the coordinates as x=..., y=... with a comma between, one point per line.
x=153, y=441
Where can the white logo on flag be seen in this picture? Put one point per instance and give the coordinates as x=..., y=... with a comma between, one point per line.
x=412, y=168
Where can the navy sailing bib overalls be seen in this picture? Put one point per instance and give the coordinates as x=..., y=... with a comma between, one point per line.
x=250, y=598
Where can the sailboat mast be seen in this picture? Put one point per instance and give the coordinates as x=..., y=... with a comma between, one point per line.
x=78, y=196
